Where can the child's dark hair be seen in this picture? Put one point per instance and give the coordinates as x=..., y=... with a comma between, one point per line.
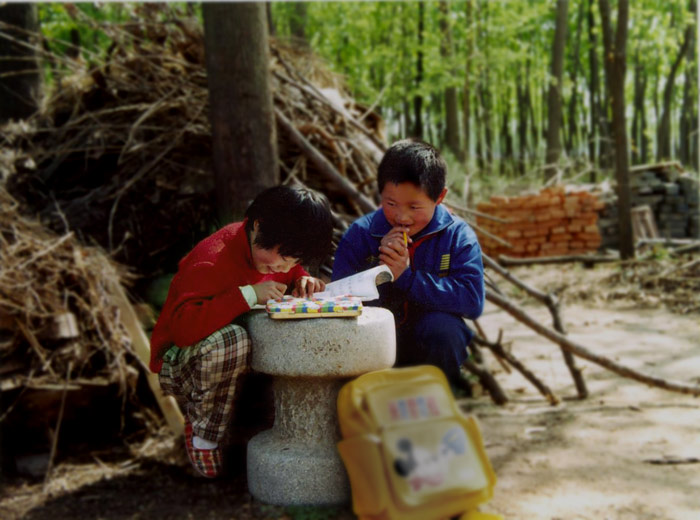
x=415, y=161
x=298, y=220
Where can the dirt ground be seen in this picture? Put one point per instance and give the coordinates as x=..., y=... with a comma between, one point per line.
x=627, y=452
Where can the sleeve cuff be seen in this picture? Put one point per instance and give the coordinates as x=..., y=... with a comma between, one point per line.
x=249, y=294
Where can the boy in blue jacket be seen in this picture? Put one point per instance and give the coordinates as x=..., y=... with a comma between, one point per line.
x=434, y=256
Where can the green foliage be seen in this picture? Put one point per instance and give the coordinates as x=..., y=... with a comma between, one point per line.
x=498, y=47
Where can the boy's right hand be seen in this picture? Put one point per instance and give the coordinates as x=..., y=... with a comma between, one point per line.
x=393, y=251
x=269, y=290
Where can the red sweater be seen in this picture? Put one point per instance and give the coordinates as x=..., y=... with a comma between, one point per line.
x=204, y=295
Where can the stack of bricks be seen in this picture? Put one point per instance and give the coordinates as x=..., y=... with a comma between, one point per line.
x=553, y=222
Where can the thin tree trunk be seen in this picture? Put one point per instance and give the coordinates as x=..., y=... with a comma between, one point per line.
x=506, y=137
x=522, y=109
x=663, y=133
x=20, y=80
x=451, y=110
x=572, y=141
x=593, y=90
x=418, y=99
x=615, y=52
x=636, y=142
x=297, y=22
x=466, y=95
x=241, y=114
x=689, y=108
x=554, y=97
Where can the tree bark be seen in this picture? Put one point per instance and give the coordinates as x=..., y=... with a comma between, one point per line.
x=615, y=57
x=20, y=80
x=241, y=110
x=555, y=87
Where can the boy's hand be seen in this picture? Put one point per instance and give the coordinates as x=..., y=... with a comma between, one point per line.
x=269, y=290
x=393, y=251
x=305, y=286
x=396, y=233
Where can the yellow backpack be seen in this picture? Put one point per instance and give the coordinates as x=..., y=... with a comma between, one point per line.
x=410, y=452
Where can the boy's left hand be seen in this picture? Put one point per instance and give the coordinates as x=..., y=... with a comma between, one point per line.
x=305, y=286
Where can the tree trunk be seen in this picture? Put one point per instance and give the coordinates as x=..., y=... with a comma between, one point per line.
x=663, y=131
x=506, y=137
x=240, y=97
x=297, y=22
x=20, y=81
x=615, y=70
x=466, y=101
x=639, y=139
x=418, y=99
x=593, y=90
x=451, y=110
x=522, y=122
x=572, y=141
x=555, y=87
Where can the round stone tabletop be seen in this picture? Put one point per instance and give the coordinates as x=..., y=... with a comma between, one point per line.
x=323, y=347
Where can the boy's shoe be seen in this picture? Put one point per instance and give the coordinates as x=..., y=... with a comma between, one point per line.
x=207, y=463
x=462, y=386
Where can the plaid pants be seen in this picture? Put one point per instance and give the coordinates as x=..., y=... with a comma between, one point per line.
x=202, y=378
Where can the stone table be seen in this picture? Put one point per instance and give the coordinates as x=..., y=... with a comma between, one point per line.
x=296, y=462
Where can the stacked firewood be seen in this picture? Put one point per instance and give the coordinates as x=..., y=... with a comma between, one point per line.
x=122, y=153
x=553, y=222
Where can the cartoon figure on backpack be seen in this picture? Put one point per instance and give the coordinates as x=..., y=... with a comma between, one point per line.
x=422, y=467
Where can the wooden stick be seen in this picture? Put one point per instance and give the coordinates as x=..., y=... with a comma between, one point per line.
x=488, y=381
x=502, y=353
x=543, y=260
x=139, y=340
x=462, y=209
x=585, y=353
x=324, y=165
x=553, y=305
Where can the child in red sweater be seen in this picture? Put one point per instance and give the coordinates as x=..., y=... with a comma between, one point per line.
x=196, y=346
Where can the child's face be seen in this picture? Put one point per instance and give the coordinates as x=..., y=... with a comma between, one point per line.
x=407, y=205
x=268, y=261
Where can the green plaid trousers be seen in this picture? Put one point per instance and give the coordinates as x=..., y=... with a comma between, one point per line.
x=203, y=377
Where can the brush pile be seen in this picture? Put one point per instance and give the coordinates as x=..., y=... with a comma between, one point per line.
x=121, y=155
x=58, y=324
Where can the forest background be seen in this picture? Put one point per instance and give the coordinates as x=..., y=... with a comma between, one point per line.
x=477, y=78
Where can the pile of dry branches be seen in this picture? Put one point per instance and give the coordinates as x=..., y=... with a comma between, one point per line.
x=58, y=322
x=121, y=155
x=673, y=282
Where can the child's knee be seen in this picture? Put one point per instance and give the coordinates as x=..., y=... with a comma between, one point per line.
x=441, y=328
x=228, y=346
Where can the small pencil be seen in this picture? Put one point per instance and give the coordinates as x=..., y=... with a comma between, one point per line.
x=405, y=239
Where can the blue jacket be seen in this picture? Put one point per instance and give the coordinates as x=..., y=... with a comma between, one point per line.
x=446, y=272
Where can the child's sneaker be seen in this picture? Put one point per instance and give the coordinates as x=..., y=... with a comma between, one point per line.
x=207, y=463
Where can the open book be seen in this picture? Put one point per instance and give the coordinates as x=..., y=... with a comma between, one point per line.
x=362, y=285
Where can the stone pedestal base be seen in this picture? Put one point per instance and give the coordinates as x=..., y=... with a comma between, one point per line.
x=296, y=462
